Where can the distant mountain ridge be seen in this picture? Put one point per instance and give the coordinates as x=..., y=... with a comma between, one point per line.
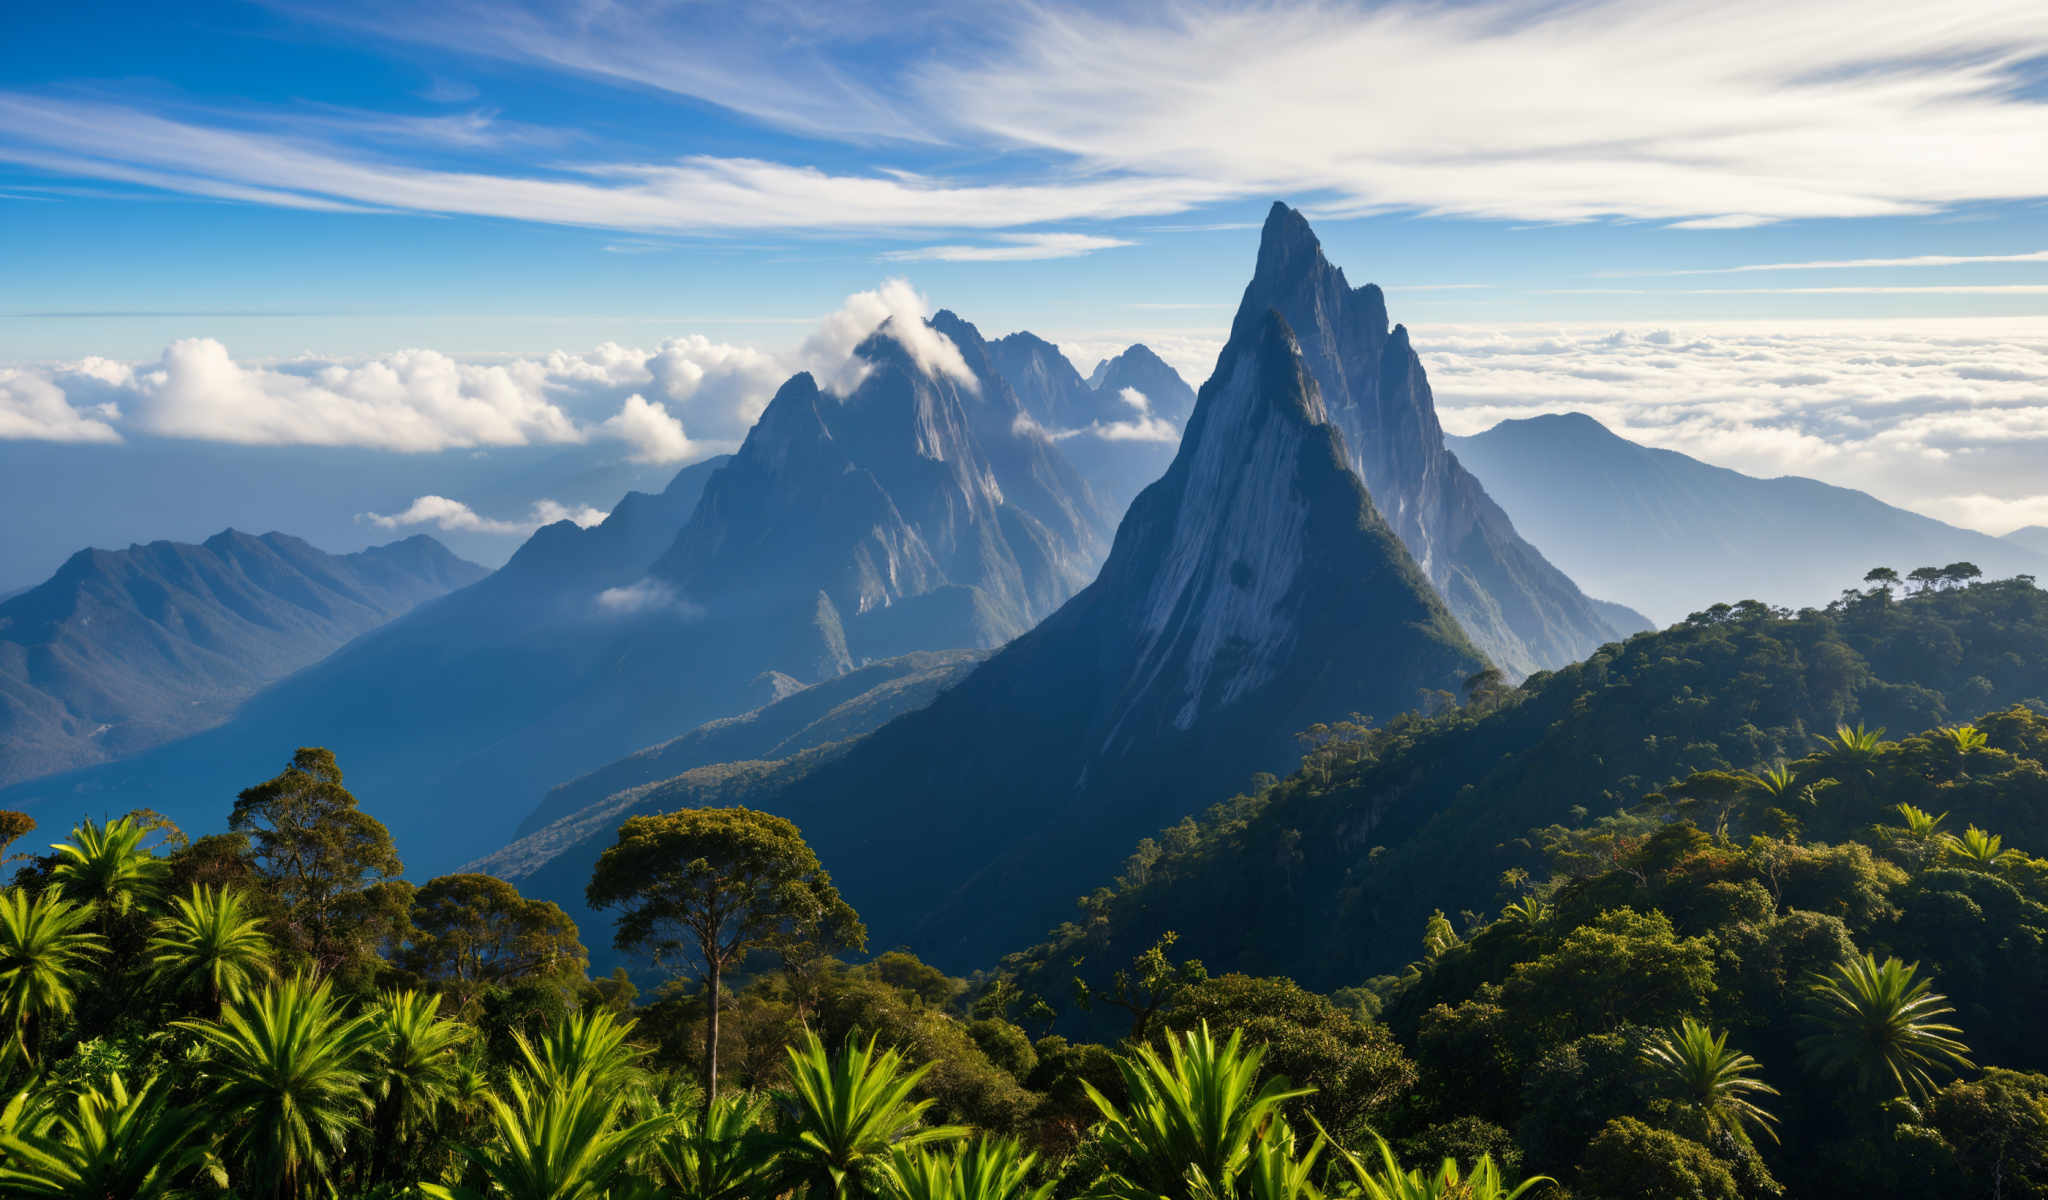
x=915, y=513
x=122, y=650
x=1671, y=535
x=2031, y=537
x=1119, y=427
x=1517, y=607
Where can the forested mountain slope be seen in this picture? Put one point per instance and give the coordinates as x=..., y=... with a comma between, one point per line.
x=1376, y=830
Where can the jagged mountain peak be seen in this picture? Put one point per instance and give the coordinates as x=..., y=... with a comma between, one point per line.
x=1522, y=611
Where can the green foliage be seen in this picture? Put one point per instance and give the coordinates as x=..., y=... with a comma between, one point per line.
x=1878, y=1023
x=1696, y=1066
x=209, y=945
x=108, y=866
x=716, y=885
x=1386, y=1180
x=473, y=931
x=44, y=947
x=284, y=1071
x=557, y=1141
x=844, y=1116
x=985, y=1169
x=330, y=865
x=1629, y=1160
x=104, y=1143
x=1194, y=1120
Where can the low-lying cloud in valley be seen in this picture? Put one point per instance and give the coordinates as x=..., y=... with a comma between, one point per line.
x=453, y=516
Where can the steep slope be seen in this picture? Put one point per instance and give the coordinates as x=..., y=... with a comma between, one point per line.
x=1116, y=433
x=1670, y=534
x=842, y=530
x=913, y=508
x=2032, y=538
x=1518, y=608
x=124, y=649
x=1250, y=592
x=1374, y=836
x=1168, y=396
x=855, y=703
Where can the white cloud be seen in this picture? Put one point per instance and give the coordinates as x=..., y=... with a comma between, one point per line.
x=453, y=516
x=35, y=409
x=1947, y=417
x=1142, y=426
x=654, y=435
x=1856, y=264
x=1013, y=247
x=1705, y=116
x=1714, y=115
x=685, y=398
x=646, y=596
x=1993, y=514
x=897, y=309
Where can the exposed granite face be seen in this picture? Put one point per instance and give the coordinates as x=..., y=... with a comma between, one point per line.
x=1252, y=591
x=1518, y=608
x=1139, y=369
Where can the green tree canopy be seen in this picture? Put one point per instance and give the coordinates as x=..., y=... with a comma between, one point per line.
x=470, y=930
x=699, y=890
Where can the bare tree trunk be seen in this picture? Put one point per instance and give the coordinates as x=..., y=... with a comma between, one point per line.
x=711, y=1039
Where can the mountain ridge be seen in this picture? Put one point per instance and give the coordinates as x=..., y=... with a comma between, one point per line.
x=123, y=650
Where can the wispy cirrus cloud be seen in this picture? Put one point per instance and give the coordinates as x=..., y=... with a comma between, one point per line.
x=1849, y=264
x=1702, y=116
x=1013, y=247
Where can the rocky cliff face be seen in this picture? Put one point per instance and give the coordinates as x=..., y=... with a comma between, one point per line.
x=1251, y=591
x=1522, y=611
x=1118, y=430
x=918, y=490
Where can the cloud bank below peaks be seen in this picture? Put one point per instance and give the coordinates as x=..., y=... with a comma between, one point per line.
x=683, y=399
x=453, y=516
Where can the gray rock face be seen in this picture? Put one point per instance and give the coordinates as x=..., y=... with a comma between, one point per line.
x=1251, y=591
x=919, y=489
x=1119, y=429
x=1139, y=369
x=1518, y=608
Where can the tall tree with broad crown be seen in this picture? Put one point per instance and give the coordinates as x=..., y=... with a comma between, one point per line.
x=710, y=886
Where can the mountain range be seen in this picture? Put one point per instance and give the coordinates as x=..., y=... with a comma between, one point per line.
x=1669, y=534
x=122, y=650
x=916, y=512
x=1119, y=427
x=1251, y=592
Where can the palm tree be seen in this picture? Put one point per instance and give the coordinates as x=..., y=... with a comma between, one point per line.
x=843, y=1115
x=1851, y=755
x=989, y=1169
x=1876, y=1020
x=44, y=943
x=1980, y=851
x=715, y=1155
x=1199, y=1113
x=1922, y=831
x=1965, y=740
x=1388, y=1181
x=588, y=1044
x=107, y=865
x=286, y=1068
x=1528, y=914
x=416, y=1067
x=210, y=942
x=1714, y=1080
x=558, y=1141
x=114, y=1142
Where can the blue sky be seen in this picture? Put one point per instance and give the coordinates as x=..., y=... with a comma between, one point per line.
x=335, y=183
